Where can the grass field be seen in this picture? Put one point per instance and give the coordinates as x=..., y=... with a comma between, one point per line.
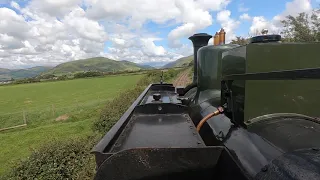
x=43, y=102
x=79, y=100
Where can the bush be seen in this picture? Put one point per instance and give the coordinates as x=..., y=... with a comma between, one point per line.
x=88, y=74
x=68, y=159
x=62, y=78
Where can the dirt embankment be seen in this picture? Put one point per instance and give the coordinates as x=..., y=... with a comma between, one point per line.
x=183, y=79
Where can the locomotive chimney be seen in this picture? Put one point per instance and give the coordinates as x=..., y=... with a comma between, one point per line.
x=216, y=39
x=199, y=40
x=222, y=36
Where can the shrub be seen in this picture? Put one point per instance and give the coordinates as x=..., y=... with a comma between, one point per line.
x=88, y=74
x=71, y=158
x=62, y=78
x=67, y=159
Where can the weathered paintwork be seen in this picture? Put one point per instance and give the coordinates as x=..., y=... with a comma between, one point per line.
x=157, y=139
x=292, y=96
x=209, y=66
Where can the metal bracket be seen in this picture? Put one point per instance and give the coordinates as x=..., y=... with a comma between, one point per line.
x=227, y=100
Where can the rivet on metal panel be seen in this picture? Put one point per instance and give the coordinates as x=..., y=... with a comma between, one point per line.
x=264, y=169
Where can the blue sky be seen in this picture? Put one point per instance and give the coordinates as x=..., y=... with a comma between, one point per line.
x=49, y=32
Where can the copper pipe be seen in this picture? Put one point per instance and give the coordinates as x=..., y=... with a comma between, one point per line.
x=222, y=36
x=205, y=119
x=216, y=39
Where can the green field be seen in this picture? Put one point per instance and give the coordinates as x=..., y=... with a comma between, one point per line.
x=79, y=101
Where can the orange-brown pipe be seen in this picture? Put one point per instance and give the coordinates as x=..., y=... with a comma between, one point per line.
x=222, y=36
x=216, y=39
x=205, y=119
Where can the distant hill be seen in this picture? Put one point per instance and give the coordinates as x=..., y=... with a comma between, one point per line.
x=185, y=61
x=94, y=64
x=142, y=66
x=7, y=74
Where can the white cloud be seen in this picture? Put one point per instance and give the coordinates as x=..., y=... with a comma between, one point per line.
x=242, y=8
x=245, y=16
x=274, y=26
x=15, y=5
x=194, y=17
x=48, y=32
x=259, y=23
x=228, y=24
x=57, y=8
x=34, y=38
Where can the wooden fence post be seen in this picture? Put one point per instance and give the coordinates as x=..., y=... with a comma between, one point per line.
x=24, y=117
x=53, y=110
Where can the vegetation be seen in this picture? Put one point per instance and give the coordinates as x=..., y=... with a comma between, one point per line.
x=302, y=28
x=94, y=64
x=69, y=158
x=66, y=159
x=87, y=74
x=240, y=40
x=7, y=74
x=59, y=110
x=182, y=62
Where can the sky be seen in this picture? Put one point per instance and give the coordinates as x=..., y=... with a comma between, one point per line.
x=50, y=32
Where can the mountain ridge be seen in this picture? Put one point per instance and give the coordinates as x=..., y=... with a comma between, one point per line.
x=182, y=62
x=8, y=74
x=95, y=64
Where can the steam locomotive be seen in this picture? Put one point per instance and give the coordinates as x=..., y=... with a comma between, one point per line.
x=250, y=113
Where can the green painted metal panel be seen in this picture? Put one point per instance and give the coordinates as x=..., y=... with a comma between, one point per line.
x=254, y=98
x=281, y=96
x=266, y=57
x=234, y=61
x=209, y=66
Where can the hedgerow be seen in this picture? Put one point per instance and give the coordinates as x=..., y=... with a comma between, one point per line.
x=63, y=159
x=71, y=158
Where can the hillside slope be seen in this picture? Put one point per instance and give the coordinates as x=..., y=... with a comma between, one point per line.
x=185, y=61
x=94, y=64
x=7, y=74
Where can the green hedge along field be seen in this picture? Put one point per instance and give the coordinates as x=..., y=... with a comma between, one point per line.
x=80, y=101
x=59, y=161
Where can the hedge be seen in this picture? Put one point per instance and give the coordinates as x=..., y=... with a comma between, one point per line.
x=71, y=158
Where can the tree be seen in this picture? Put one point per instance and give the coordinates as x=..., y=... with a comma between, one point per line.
x=302, y=28
x=239, y=40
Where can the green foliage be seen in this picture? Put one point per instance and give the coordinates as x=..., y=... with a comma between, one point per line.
x=88, y=74
x=70, y=158
x=26, y=81
x=66, y=159
x=62, y=78
x=80, y=99
x=46, y=76
x=18, y=144
x=240, y=41
x=302, y=28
